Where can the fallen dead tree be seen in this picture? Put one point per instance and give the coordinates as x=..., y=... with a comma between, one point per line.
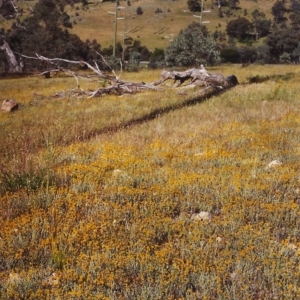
x=197, y=77
x=115, y=85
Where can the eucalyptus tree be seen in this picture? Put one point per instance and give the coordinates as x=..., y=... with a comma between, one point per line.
x=192, y=47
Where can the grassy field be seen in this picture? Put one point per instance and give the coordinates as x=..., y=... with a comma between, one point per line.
x=153, y=30
x=87, y=213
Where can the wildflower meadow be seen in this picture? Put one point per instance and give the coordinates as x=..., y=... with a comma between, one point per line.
x=199, y=202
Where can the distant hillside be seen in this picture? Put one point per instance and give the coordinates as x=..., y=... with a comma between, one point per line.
x=154, y=30
x=156, y=27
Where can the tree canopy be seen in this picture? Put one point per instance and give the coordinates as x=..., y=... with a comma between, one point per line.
x=278, y=11
x=239, y=28
x=283, y=41
x=192, y=47
x=194, y=5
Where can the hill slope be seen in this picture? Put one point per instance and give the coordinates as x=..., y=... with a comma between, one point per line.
x=152, y=29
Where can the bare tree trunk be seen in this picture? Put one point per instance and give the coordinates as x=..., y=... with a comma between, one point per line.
x=12, y=63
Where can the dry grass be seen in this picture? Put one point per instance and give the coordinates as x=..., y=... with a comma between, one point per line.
x=151, y=30
x=110, y=217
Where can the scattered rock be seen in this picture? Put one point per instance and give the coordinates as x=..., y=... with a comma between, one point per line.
x=201, y=216
x=9, y=105
x=274, y=164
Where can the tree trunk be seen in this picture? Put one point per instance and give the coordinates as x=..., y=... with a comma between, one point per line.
x=12, y=64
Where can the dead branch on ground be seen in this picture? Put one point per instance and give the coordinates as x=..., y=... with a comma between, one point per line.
x=194, y=77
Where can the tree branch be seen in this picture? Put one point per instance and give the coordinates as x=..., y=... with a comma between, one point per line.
x=118, y=87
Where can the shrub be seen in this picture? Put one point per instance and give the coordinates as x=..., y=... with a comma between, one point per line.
x=157, y=59
x=139, y=11
x=192, y=47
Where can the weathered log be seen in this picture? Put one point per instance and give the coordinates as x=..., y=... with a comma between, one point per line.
x=197, y=77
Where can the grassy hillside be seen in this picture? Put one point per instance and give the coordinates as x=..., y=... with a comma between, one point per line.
x=153, y=30
x=86, y=214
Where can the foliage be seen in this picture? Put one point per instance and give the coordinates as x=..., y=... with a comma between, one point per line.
x=157, y=59
x=233, y=3
x=239, y=28
x=285, y=58
x=282, y=41
x=6, y=8
x=278, y=11
x=260, y=24
x=230, y=55
x=247, y=54
x=139, y=11
x=263, y=55
x=112, y=63
x=194, y=5
x=296, y=53
x=244, y=55
x=295, y=14
x=158, y=11
x=138, y=48
x=192, y=47
x=109, y=50
x=133, y=62
x=262, y=27
x=51, y=14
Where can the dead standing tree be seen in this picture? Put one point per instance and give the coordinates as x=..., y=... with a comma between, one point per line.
x=11, y=63
x=9, y=10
